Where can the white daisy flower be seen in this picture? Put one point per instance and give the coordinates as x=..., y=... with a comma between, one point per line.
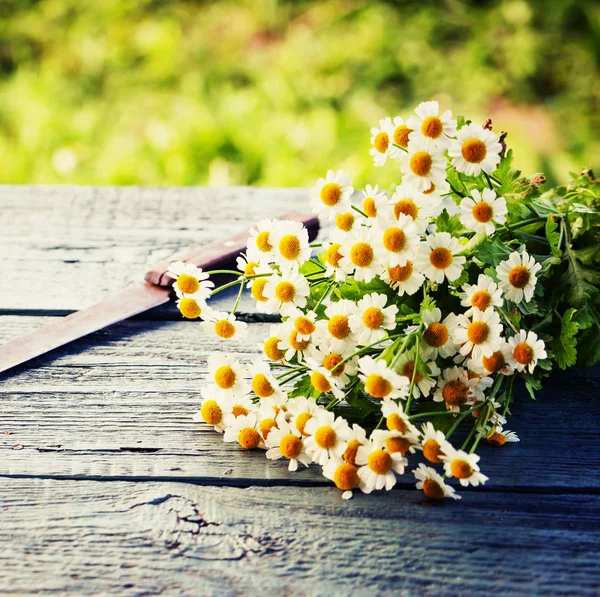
x=399, y=138
x=325, y=356
x=260, y=244
x=361, y=255
x=517, y=276
x=191, y=308
x=436, y=257
x=474, y=150
x=304, y=324
x=212, y=410
x=423, y=383
x=481, y=210
x=432, y=125
x=357, y=438
x=271, y=345
x=400, y=240
x=381, y=139
x=243, y=430
x=395, y=417
x=327, y=437
x=337, y=328
x=290, y=343
x=395, y=442
x=455, y=388
x=263, y=382
x=248, y=268
x=405, y=279
x=322, y=380
x=345, y=222
x=526, y=350
x=431, y=200
x=437, y=338
x=484, y=383
x=291, y=244
x=224, y=325
x=285, y=441
x=331, y=257
x=344, y=475
x=498, y=437
x=190, y=281
x=464, y=467
x=331, y=195
x=286, y=292
x=432, y=484
x=375, y=204
x=483, y=295
x=413, y=204
x=380, y=381
x=479, y=336
x=377, y=466
x=268, y=419
x=434, y=443
x=257, y=286
x=227, y=373
x=372, y=318
x=232, y=406
x=498, y=362
x=300, y=410
x=423, y=165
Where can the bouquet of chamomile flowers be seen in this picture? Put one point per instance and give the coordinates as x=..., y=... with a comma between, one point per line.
x=407, y=327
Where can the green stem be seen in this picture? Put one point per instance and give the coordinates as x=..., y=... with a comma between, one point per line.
x=360, y=211
x=414, y=374
x=224, y=271
x=455, y=190
x=325, y=293
x=357, y=352
x=237, y=300
x=488, y=180
x=225, y=286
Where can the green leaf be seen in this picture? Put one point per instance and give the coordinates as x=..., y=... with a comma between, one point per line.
x=492, y=252
x=553, y=235
x=447, y=223
x=301, y=388
x=579, y=281
x=564, y=344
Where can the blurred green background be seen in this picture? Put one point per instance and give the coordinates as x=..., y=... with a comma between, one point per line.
x=275, y=93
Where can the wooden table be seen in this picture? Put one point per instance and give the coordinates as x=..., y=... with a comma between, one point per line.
x=108, y=487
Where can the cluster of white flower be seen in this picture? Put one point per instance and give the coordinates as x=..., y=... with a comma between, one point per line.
x=348, y=328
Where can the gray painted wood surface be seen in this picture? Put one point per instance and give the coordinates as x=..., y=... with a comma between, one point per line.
x=108, y=487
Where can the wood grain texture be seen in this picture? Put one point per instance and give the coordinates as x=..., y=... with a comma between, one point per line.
x=119, y=405
x=85, y=537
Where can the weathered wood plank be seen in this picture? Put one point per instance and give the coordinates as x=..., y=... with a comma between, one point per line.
x=137, y=384
x=75, y=245
x=87, y=537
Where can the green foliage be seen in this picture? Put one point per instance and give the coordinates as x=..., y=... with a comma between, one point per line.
x=564, y=344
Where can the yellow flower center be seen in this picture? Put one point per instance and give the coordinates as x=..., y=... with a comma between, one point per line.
x=496, y=439
x=346, y=477
x=478, y=332
x=262, y=242
x=401, y=135
x=271, y=349
x=432, y=451
x=224, y=328
x=440, y=258
x=400, y=273
x=361, y=254
x=421, y=163
x=290, y=446
x=519, y=276
x=436, y=334
x=250, y=268
x=189, y=308
x=483, y=212
x=461, y=469
x=188, y=284
x=350, y=451
x=378, y=386
x=369, y=207
x=373, y=318
x=319, y=382
x=429, y=190
x=481, y=299
x=455, y=393
x=301, y=421
x=304, y=326
x=432, y=127
x=249, y=438
x=432, y=489
x=225, y=377
x=237, y=410
x=381, y=142
x=474, y=150
x=407, y=207
x=339, y=326
x=523, y=353
x=266, y=425
x=395, y=422
x=345, y=221
x=285, y=292
x=333, y=256
x=380, y=462
x=289, y=247
x=261, y=386
x=258, y=288
x=332, y=360
x=325, y=437
x=394, y=240
x=495, y=362
x=397, y=444
x=295, y=344
x=331, y=193
x=211, y=412
x=409, y=369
